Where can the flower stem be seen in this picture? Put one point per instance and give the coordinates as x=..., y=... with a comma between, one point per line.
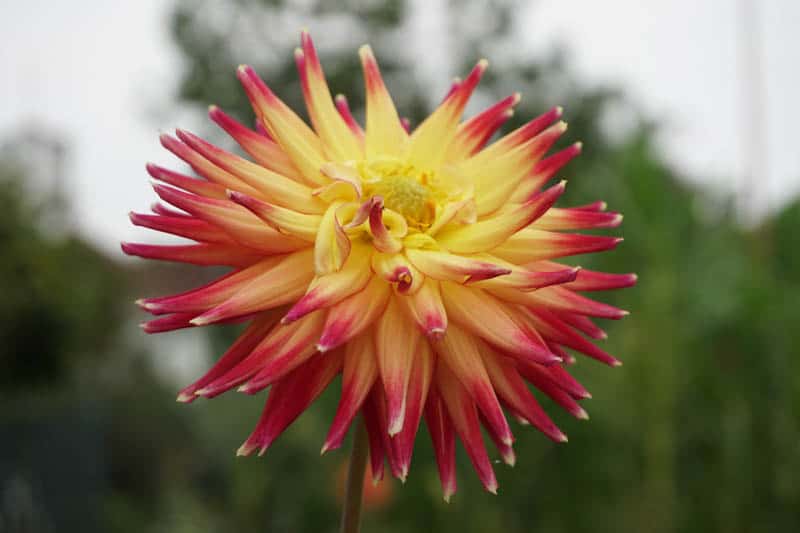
x=351, y=513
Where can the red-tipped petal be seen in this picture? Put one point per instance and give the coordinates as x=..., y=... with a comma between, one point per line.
x=290, y=397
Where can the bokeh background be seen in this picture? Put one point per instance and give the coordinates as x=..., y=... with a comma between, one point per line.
x=688, y=113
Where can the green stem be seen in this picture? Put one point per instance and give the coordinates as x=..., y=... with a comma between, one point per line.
x=351, y=513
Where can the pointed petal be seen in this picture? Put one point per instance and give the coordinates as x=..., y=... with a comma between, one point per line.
x=331, y=289
x=294, y=136
x=264, y=150
x=425, y=307
x=513, y=391
x=385, y=136
x=240, y=349
x=561, y=300
x=282, y=284
x=204, y=298
x=544, y=171
x=396, y=341
x=290, y=397
x=351, y=316
x=516, y=138
x=204, y=167
x=451, y=267
x=359, y=375
x=430, y=140
x=416, y=395
x=272, y=186
x=233, y=219
x=286, y=357
x=541, y=380
x=497, y=180
x=190, y=228
x=339, y=141
x=283, y=343
x=181, y=181
x=474, y=133
x=529, y=245
x=571, y=218
x=464, y=416
x=347, y=116
x=195, y=254
x=490, y=319
x=444, y=442
x=554, y=330
x=460, y=352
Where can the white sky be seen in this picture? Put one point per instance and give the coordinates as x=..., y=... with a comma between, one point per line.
x=95, y=71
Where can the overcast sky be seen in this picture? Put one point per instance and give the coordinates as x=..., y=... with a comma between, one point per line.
x=102, y=73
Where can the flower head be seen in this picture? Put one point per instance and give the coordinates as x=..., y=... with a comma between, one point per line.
x=416, y=264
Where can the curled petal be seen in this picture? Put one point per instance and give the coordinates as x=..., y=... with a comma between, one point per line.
x=396, y=268
x=489, y=233
x=332, y=245
x=384, y=240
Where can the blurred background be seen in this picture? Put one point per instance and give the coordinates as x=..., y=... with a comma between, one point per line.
x=688, y=113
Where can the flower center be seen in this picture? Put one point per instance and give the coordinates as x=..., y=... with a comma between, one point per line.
x=404, y=189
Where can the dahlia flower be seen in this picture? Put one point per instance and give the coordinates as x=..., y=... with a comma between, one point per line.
x=416, y=264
